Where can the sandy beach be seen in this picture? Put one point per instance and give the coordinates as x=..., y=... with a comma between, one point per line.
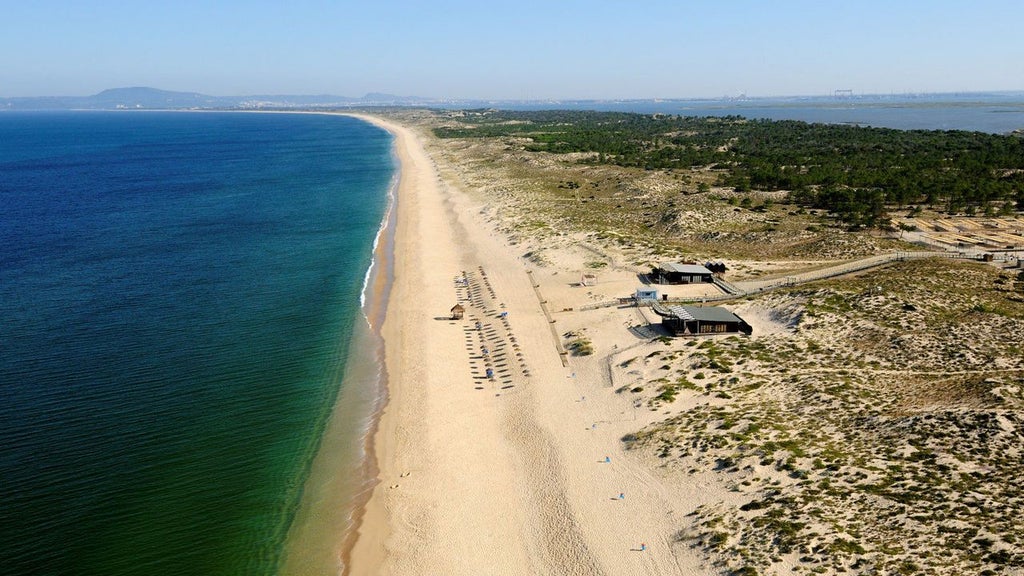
x=551, y=430
x=523, y=472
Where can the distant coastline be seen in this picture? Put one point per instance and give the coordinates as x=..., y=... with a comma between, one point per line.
x=991, y=112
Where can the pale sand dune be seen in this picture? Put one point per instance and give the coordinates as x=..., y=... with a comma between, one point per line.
x=505, y=476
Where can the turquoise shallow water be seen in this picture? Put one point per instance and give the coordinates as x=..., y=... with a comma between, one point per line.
x=177, y=293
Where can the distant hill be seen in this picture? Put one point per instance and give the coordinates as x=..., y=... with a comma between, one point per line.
x=145, y=98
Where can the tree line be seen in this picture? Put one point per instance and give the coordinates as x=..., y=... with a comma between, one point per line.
x=855, y=172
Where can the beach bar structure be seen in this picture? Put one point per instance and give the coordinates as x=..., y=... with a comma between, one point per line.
x=676, y=273
x=695, y=320
x=643, y=293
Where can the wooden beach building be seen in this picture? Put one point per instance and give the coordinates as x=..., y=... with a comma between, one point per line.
x=694, y=320
x=643, y=294
x=458, y=311
x=676, y=273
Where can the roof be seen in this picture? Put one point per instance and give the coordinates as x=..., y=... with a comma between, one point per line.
x=683, y=268
x=704, y=313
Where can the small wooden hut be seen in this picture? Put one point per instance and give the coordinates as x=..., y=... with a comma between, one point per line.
x=644, y=293
x=458, y=311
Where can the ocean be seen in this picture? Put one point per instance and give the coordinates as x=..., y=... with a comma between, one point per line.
x=179, y=298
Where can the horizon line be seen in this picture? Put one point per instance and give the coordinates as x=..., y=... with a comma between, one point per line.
x=835, y=93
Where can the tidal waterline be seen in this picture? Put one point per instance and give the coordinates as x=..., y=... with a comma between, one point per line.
x=340, y=481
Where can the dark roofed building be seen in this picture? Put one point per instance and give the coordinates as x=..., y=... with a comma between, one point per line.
x=694, y=320
x=716, y=267
x=676, y=273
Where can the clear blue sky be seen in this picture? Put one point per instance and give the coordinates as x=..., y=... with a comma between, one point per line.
x=525, y=49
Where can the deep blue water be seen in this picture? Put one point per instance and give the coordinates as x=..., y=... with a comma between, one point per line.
x=176, y=295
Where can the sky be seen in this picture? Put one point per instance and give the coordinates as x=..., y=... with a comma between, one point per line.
x=527, y=49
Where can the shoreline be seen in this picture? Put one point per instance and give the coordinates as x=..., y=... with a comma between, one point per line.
x=366, y=516
x=375, y=299
x=380, y=281
x=336, y=472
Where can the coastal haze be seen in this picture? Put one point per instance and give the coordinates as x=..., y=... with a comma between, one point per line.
x=532, y=50
x=350, y=288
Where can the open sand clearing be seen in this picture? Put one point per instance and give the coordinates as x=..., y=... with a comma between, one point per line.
x=517, y=473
